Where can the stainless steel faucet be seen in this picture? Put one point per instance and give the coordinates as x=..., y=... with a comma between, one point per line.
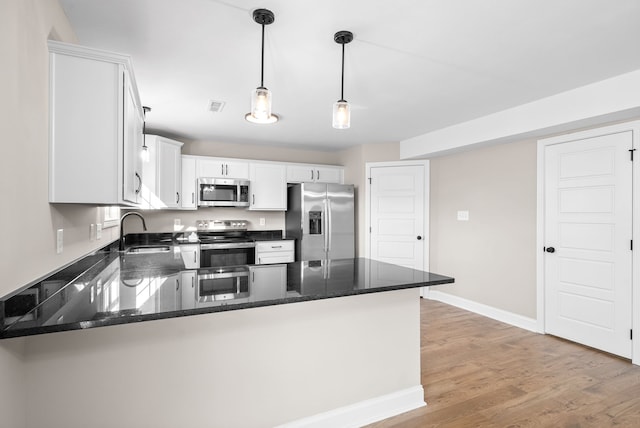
x=144, y=225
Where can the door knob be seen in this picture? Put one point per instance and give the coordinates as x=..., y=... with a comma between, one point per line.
x=550, y=250
x=419, y=237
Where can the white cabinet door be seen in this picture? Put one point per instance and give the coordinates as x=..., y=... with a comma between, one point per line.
x=168, y=179
x=268, y=187
x=188, y=289
x=133, y=138
x=216, y=168
x=96, y=127
x=314, y=174
x=267, y=282
x=329, y=175
x=190, y=255
x=162, y=173
x=188, y=183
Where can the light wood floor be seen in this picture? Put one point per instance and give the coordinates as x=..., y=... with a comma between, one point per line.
x=477, y=372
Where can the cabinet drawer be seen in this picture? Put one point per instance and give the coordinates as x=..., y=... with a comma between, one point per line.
x=275, y=258
x=274, y=246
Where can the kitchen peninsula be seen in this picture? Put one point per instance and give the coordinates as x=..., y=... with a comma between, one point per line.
x=348, y=349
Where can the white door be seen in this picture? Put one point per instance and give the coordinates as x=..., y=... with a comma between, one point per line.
x=587, y=238
x=398, y=217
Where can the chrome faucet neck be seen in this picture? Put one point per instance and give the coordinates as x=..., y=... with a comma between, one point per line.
x=125, y=215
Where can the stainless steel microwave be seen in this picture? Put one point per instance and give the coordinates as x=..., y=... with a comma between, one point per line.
x=223, y=192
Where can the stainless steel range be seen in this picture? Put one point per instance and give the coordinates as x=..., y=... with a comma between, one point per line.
x=225, y=243
x=225, y=251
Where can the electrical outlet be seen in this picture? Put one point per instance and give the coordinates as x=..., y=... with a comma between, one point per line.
x=59, y=240
x=177, y=222
x=99, y=231
x=92, y=232
x=463, y=215
x=262, y=221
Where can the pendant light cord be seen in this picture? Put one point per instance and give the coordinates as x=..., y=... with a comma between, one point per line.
x=342, y=80
x=262, y=61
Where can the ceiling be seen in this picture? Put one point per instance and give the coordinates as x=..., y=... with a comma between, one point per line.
x=413, y=67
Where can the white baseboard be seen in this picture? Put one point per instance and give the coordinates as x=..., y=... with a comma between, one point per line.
x=484, y=310
x=364, y=412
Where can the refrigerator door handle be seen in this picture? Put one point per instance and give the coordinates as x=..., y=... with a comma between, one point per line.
x=326, y=225
x=329, y=226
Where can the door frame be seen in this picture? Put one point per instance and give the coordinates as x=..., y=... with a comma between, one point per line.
x=634, y=127
x=367, y=208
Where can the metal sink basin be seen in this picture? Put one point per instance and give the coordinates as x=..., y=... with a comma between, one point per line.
x=149, y=249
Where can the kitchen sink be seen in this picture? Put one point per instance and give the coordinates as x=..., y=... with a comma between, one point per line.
x=149, y=249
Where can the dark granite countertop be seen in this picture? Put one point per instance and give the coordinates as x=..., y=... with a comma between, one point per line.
x=110, y=287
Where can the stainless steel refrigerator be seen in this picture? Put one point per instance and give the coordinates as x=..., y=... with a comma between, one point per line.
x=320, y=217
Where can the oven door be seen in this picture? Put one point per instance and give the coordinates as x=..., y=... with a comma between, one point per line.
x=219, y=285
x=223, y=192
x=227, y=254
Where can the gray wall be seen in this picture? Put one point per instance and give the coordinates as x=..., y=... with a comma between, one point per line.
x=492, y=256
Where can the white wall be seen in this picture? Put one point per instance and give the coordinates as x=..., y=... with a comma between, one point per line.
x=29, y=222
x=13, y=392
x=252, y=368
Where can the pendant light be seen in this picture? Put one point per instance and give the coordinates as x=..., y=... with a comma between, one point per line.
x=341, y=108
x=144, y=154
x=261, y=96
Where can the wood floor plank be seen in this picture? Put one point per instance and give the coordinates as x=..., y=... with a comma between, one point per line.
x=478, y=372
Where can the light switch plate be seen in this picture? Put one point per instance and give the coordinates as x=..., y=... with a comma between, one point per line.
x=263, y=221
x=99, y=231
x=92, y=232
x=463, y=215
x=59, y=240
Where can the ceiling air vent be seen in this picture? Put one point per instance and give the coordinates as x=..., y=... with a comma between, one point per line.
x=216, y=106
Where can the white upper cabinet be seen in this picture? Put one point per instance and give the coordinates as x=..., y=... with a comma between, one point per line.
x=268, y=187
x=222, y=168
x=304, y=173
x=188, y=200
x=96, y=120
x=162, y=174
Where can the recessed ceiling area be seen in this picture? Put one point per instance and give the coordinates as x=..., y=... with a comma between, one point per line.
x=412, y=68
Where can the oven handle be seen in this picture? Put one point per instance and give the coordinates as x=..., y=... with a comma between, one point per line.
x=223, y=246
x=223, y=275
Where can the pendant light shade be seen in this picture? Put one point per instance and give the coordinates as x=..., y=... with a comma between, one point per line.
x=341, y=108
x=261, y=96
x=341, y=115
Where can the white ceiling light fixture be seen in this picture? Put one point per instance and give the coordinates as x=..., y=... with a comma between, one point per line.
x=341, y=108
x=261, y=96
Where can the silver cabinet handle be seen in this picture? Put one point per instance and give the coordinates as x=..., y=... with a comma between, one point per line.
x=311, y=175
x=193, y=198
x=177, y=197
x=193, y=281
x=139, y=183
x=195, y=257
x=253, y=202
x=222, y=169
x=276, y=246
x=317, y=174
x=177, y=284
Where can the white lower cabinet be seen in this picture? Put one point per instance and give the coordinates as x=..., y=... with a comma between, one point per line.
x=190, y=255
x=271, y=252
x=268, y=187
x=188, y=292
x=267, y=282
